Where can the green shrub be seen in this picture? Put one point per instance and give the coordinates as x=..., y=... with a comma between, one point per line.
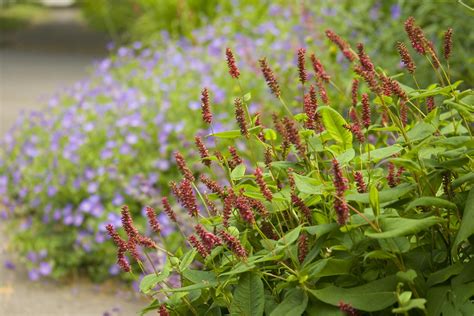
x=372, y=213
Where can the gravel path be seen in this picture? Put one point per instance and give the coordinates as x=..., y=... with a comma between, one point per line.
x=34, y=64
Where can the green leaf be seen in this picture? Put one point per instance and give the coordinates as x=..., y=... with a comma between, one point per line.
x=346, y=156
x=444, y=274
x=414, y=303
x=420, y=131
x=397, y=226
x=328, y=267
x=269, y=134
x=374, y=200
x=289, y=238
x=334, y=124
x=370, y=297
x=238, y=172
x=320, y=230
x=247, y=96
x=381, y=153
x=467, y=178
x=384, y=195
x=307, y=185
x=431, y=201
x=151, y=280
x=187, y=259
x=235, y=133
x=249, y=298
x=467, y=224
x=294, y=304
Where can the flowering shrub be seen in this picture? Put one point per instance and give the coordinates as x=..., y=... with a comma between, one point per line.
x=109, y=140
x=369, y=213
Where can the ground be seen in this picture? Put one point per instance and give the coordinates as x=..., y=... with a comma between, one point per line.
x=34, y=64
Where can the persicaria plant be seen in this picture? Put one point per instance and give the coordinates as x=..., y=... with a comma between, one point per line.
x=322, y=214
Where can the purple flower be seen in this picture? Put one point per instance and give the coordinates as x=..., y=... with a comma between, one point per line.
x=117, y=200
x=33, y=274
x=114, y=269
x=9, y=265
x=131, y=139
x=45, y=268
x=92, y=187
x=395, y=11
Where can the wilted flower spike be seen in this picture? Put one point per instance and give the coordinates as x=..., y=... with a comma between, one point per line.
x=233, y=69
x=234, y=244
x=150, y=213
x=203, y=152
x=301, y=65
x=205, y=106
x=302, y=247
x=448, y=43
x=240, y=117
x=168, y=210
x=406, y=58
x=181, y=163
x=263, y=185
x=270, y=77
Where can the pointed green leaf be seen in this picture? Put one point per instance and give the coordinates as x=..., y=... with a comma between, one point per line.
x=334, y=124
x=467, y=224
x=397, y=226
x=432, y=201
x=370, y=297
x=249, y=298
x=294, y=304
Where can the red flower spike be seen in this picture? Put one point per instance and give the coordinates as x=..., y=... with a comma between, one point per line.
x=211, y=206
x=343, y=46
x=294, y=136
x=270, y=77
x=209, y=240
x=406, y=58
x=198, y=246
x=205, y=106
x=228, y=205
x=268, y=157
x=127, y=224
x=181, y=163
x=369, y=78
x=309, y=111
x=188, y=199
x=354, y=91
x=118, y=241
x=403, y=113
x=150, y=213
x=364, y=59
x=260, y=208
x=203, y=152
x=340, y=204
x=299, y=203
x=302, y=247
x=236, y=160
x=416, y=36
x=242, y=204
x=359, y=179
x=348, y=309
x=430, y=104
x=233, y=69
x=213, y=186
x=168, y=210
x=365, y=110
x=301, y=66
x=448, y=43
x=163, y=311
x=319, y=69
x=233, y=244
x=322, y=91
x=240, y=117
x=263, y=185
